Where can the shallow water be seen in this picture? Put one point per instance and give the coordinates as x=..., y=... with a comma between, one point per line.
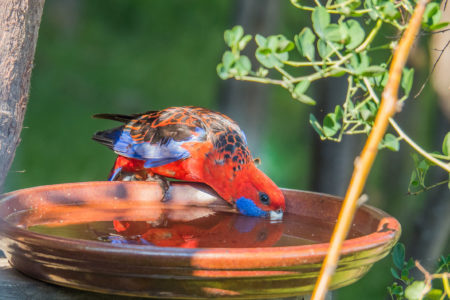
x=188, y=228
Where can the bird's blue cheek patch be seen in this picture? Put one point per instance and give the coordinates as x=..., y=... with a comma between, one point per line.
x=248, y=207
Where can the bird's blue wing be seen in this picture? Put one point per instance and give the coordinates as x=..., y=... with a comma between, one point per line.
x=161, y=152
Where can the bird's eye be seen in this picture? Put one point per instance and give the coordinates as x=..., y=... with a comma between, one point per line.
x=264, y=198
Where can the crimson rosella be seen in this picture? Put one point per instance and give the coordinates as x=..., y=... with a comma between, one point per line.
x=193, y=144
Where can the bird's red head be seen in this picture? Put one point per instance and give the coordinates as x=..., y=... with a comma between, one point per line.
x=255, y=194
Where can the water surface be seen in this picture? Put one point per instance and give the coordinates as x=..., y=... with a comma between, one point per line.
x=191, y=227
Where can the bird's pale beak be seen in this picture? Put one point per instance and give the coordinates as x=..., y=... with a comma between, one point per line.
x=276, y=215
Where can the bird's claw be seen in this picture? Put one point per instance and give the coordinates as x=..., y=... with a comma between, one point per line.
x=163, y=183
x=143, y=176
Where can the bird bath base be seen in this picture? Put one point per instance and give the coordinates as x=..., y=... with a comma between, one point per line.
x=119, y=238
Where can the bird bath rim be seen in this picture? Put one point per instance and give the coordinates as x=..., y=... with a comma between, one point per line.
x=205, y=263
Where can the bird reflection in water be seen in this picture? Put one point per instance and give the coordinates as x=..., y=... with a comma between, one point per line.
x=214, y=230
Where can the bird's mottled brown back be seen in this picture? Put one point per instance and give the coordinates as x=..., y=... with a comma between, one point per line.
x=179, y=123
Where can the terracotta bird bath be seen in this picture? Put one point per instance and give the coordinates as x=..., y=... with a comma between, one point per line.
x=119, y=238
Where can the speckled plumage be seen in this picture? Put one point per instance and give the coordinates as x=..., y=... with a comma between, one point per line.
x=194, y=144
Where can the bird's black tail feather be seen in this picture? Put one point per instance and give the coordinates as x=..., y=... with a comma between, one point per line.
x=108, y=137
x=120, y=117
x=115, y=117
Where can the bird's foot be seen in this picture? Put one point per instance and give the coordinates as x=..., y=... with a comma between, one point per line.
x=163, y=183
x=144, y=176
x=124, y=176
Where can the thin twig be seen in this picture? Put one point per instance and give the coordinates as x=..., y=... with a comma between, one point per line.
x=429, y=278
x=427, y=281
x=370, y=37
x=306, y=63
x=405, y=137
x=260, y=79
x=364, y=163
x=427, y=188
x=416, y=147
x=283, y=72
x=354, y=13
x=435, y=32
x=432, y=70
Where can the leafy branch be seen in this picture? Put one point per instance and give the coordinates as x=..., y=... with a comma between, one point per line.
x=417, y=289
x=344, y=49
x=335, y=49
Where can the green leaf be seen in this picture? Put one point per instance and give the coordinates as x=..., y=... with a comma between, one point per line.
x=368, y=111
x=415, y=290
x=372, y=70
x=421, y=170
x=223, y=72
x=348, y=7
x=389, y=11
x=394, y=273
x=398, y=255
x=273, y=50
x=233, y=36
x=423, y=166
x=434, y=294
x=270, y=59
x=262, y=72
x=444, y=264
x=331, y=125
x=338, y=73
x=306, y=99
x=323, y=48
x=366, y=114
x=351, y=109
x=374, y=9
x=316, y=125
x=381, y=79
x=305, y=43
x=407, y=80
x=243, y=65
x=446, y=144
x=244, y=41
x=356, y=34
x=359, y=62
x=320, y=19
x=301, y=87
x=404, y=275
x=263, y=55
x=410, y=264
x=228, y=37
x=228, y=59
x=260, y=40
x=431, y=16
x=338, y=112
x=298, y=93
x=396, y=289
x=335, y=33
x=391, y=142
x=413, y=180
x=279, y=43
x=439, y=26
x=267, y=58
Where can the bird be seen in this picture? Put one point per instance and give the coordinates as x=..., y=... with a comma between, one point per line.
x=193, y=144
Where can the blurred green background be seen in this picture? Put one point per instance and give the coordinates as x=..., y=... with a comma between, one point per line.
x=132, y=56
